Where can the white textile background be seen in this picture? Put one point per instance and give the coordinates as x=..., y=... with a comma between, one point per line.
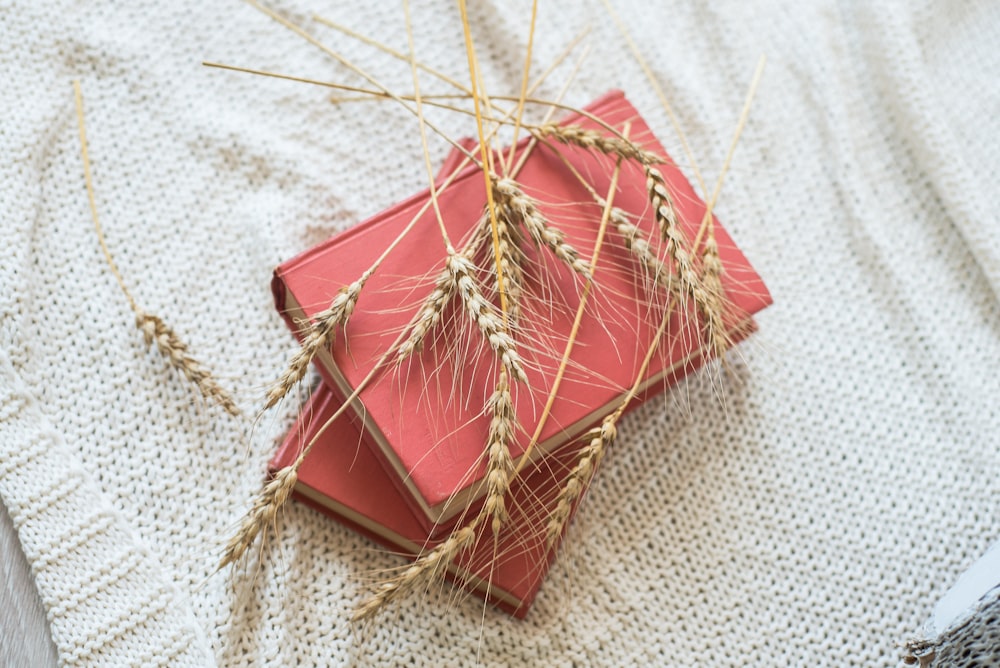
x=813, y=518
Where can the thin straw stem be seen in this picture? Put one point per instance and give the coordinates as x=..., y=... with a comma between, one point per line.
x=78, y=96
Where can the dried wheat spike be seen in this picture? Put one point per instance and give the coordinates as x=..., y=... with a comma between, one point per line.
x=482, y=312
x=424, y=570
x=175, y=350
x=512, y=262
x=593, y=140
x=706, y=290
x=640, y=248
x=320, y=333
x=522, y=208
x=670, y=229
x=261, y=516
x=429, y=314
x=500, y=465
x=716, y=335
x=600, y=439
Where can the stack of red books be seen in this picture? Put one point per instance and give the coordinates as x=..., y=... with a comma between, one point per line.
x=405, y=464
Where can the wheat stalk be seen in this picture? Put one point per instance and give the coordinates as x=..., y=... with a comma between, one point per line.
x=263, y=514
x=153, y=328
x=426, y=568
x=320, y=333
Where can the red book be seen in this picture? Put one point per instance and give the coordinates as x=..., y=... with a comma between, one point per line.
x=425, y=417
x=343, y=478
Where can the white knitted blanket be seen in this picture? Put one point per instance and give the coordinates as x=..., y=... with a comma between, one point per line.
x=811, y=518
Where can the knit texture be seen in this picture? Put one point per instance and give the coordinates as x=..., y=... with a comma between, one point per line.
x=806, y=510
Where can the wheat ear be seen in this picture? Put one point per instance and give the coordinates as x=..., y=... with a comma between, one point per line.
x=425, y=569
x=523, y=208
x=716, y=334
x=429, y=313
x=670, y=229
x=594, y=140
x=500, y=465
x=512, y=261
x=705, y=289
x=170, y=346
x=483, y=314
x=262, y=515
x=320, y=334
x=599, y=440
x=635, y=243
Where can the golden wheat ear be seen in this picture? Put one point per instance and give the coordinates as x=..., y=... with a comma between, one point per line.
x=598, y=442
x=420, y=573
x=595, y=140
x=320, y=333
x=511, y=260
x=154, y=330
x=524, y=209
x=499, y=463
x=429, y=314
x=262, y=516
x=632, y=237
x=485, y=317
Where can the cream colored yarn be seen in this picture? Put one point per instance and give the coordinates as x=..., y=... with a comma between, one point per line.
x=809, y=519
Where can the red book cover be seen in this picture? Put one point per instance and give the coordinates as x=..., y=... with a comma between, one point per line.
x=425, y=417
x=342, y=477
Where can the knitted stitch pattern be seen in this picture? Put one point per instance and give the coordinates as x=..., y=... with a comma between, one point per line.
x=810, y=517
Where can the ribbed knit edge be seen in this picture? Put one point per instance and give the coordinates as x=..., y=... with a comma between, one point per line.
x=123, y=613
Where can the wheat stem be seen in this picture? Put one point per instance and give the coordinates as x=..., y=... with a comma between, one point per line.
x=524, y=81
x=392, y=52
x=298, y=30
x=654, y=82
x=575, y=328
x=470, y=52
x=153, y=328
x=421, y=123
x=707, y=220
x=600, y=440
